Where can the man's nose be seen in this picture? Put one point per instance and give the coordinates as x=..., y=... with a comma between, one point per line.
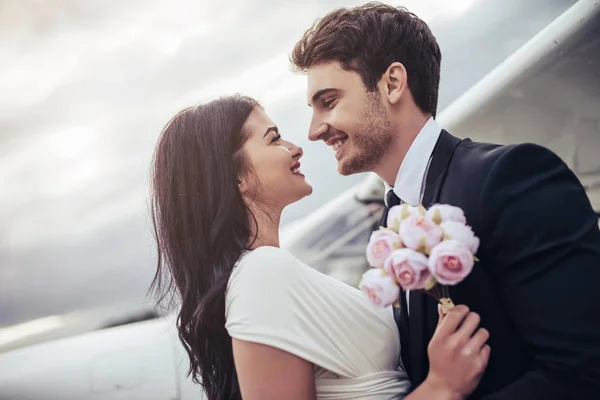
x=317, y=129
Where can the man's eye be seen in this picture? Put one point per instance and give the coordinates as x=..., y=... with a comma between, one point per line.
x=276, y=138
x=329, y=102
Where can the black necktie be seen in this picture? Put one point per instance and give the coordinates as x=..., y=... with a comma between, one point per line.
x=391, y=199
x=400, y=314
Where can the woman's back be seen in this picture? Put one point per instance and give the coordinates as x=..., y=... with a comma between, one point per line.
x=276, y=300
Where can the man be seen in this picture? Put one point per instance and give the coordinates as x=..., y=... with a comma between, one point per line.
x=373, y=76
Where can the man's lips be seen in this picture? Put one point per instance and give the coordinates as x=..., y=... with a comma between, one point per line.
x=333, y=139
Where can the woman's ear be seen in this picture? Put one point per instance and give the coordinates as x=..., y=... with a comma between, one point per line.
x=242, y=186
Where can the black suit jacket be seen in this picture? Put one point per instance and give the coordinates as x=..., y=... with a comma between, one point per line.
x=537, y=284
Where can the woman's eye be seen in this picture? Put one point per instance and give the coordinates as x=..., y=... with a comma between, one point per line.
x=276, y=138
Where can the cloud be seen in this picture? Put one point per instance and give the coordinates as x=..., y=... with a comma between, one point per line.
x=85, y=88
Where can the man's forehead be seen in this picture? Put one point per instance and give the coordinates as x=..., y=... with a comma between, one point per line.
x=322, y=76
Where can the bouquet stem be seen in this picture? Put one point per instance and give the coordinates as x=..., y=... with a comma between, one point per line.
x=442, y=294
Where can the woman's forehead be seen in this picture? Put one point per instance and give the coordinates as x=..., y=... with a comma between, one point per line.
x=259, y=122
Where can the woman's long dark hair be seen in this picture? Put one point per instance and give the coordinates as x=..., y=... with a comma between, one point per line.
x=202, y=226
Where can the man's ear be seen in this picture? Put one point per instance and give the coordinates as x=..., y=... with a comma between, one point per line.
x=394, y=82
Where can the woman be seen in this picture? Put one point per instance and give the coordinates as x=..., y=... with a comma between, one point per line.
x=255, y=321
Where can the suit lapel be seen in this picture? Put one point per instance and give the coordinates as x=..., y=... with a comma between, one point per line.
x=423, y=308
x=442, y=155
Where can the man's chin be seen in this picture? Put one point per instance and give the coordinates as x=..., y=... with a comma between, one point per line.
x=344, y=172
x=347, y=167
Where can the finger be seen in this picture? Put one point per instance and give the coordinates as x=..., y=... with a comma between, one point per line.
x=469, y=325
x=482, y=360
x=452, y=319
x=477, y=341
x=485, y=355
x=480, y=338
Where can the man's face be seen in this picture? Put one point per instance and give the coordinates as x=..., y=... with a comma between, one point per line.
x=352, y=121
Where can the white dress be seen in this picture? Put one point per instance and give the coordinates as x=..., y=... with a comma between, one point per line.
x=276, y=300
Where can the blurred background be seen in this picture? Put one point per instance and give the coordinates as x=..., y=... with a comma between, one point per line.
x=85, y=88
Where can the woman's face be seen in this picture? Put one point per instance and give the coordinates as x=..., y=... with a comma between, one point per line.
x=278, y=181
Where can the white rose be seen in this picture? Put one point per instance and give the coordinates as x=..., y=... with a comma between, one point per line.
x=460, y=232
x=447, y=213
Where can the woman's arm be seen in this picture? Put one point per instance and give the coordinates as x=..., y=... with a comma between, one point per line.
x=426, y=391
x=266, y=373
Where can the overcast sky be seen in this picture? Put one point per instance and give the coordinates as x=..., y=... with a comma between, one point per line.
x=86, y=86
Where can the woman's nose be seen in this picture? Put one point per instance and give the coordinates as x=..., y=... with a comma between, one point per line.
x=296, y=151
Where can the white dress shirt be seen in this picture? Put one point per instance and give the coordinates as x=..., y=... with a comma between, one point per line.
x=410, y=180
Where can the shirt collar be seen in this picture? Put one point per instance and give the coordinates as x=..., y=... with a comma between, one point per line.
x=411, y=176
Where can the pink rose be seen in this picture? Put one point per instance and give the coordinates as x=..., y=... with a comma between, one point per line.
x=398, y=213
x=446, y=212
x=383, y=232
x=381, y=244
x=408, y=267
x=450, y=262
x=418, y=231
x=380, y=287
x=461, y=232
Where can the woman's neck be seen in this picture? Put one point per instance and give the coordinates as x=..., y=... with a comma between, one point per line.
x=267, y=226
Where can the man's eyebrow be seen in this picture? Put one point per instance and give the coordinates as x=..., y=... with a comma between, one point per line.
x=269, y=129
x=320, y=93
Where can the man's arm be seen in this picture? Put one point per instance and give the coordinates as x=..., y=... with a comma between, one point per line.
x=543, y=245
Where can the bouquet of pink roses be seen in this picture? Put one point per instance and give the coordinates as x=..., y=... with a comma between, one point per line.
x=419, y=250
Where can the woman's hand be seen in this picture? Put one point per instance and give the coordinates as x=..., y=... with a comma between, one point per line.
x=458, y=353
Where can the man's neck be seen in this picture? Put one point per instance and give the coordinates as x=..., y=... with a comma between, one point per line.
x=393, y=158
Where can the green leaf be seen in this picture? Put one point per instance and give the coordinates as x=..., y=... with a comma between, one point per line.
x=404, y=211
x=422, y=246
x=430, y=283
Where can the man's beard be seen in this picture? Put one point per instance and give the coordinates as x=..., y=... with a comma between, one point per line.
x=372, y=137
